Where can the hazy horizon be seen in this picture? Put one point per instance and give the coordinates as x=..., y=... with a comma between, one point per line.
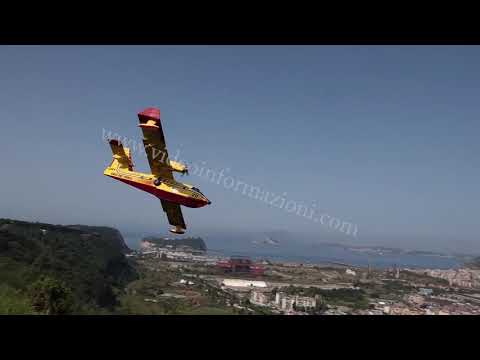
x=384, y=137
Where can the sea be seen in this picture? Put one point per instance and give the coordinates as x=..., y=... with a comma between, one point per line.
x=327, y=253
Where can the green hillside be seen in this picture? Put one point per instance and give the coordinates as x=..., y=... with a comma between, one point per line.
x=40, y=262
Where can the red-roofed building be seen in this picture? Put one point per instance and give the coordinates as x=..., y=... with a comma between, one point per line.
x=240, y=265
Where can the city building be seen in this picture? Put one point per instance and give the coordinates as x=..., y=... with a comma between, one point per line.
x=289, y=302
x=425, y=291
x=350, y=272
x=305, y=302
x=260, y=298
x=460, y=277
x=416, y=299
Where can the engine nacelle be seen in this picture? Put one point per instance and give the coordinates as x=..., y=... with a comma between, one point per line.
x=178, y=167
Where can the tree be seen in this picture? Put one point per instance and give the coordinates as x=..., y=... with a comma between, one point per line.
x=14, y=302
x=50, y=296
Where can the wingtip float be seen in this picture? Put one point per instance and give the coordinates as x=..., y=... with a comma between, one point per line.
x=160, y=182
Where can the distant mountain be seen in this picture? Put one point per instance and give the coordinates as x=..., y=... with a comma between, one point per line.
x=89, y=260
x=474, y=263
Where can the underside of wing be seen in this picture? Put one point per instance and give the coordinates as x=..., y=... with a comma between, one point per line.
x=174, y=214
x=154, y=143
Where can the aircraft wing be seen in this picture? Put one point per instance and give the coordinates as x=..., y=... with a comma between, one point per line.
x=154, y=143
x=157, y=154
x=174, y=213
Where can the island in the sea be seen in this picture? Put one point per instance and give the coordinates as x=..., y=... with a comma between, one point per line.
x=193, y=244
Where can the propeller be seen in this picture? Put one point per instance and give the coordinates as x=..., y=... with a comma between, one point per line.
x=185, y=172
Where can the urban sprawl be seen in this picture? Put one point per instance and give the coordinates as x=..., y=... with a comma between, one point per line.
x=266, y=287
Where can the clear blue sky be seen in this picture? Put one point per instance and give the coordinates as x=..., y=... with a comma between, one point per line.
x=386, y=137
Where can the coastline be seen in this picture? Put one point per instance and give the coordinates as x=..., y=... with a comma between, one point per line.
x=333, y=254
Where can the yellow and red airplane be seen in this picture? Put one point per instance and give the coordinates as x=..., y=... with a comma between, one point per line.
x=160, y=182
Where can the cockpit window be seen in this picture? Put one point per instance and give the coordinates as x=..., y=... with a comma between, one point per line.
x=197, y=190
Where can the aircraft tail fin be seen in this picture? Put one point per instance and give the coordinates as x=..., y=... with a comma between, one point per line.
x=122, y=158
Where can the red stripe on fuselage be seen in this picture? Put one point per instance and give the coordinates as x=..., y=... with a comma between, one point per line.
x=163, y=195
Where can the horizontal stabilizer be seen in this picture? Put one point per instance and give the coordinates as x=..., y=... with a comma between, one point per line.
x=121, y=156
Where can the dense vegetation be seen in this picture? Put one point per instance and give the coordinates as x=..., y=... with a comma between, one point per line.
x=61, y=269
x=158, y=292
x=14, y=302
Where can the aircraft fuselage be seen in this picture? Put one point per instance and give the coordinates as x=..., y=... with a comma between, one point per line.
x=169, y=190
